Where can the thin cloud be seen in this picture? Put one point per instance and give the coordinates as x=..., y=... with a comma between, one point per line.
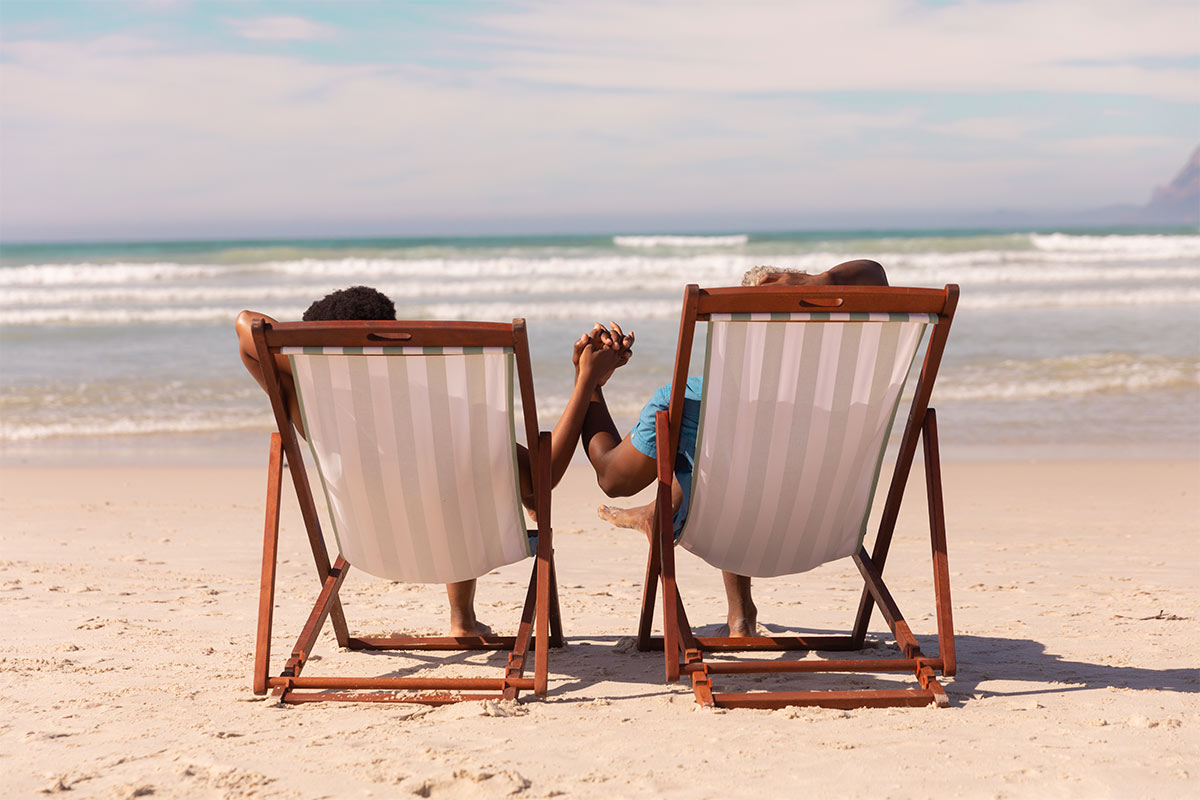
x=126, y=133
x=280, y=29
x=1092, y=46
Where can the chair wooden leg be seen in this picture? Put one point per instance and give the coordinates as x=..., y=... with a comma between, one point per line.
x=541, y=655
x=937, y=536
x=515, y=668
x=687, y=640
x=891, y=511
x=671, y=646
x=266, y=592
x=556, y=626
x=312, y=526
x=541, y=640
x=664, y=541
x=649, y=594
x=316, y=619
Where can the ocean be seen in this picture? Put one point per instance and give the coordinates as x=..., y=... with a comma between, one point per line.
x=1066, y=343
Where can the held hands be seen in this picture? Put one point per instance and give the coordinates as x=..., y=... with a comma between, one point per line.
x=600, y=352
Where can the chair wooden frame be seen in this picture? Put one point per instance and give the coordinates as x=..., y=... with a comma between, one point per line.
x=684, y=651
x=541, y=607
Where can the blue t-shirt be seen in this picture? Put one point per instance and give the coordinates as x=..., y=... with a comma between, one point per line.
x=643, y=439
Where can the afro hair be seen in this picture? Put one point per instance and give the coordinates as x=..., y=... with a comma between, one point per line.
x=357, y=302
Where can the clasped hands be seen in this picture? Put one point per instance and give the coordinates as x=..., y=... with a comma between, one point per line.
x=598, y=353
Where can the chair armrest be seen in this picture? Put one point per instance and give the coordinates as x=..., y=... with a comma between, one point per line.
x=542, y=486
x=664, y=460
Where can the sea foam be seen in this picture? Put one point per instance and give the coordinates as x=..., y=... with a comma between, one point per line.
x=668, y=240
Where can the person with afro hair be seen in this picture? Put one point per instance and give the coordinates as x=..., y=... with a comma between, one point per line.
x=596, y=355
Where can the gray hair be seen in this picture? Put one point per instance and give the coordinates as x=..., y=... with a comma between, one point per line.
x=756, y=274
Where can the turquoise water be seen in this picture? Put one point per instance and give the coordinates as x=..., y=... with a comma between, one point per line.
x=1066, y=342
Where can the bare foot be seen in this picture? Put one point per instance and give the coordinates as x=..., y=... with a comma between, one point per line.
x=741, y=629
x=637, y=519
x=745, y=625
x=475, y=629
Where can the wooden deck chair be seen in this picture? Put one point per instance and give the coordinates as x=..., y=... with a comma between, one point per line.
x=412, y=430
x=801, y=387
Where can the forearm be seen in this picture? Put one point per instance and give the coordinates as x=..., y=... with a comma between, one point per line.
x=244, y=326
x=569, y=426
x=600, y=434
x=249, y=353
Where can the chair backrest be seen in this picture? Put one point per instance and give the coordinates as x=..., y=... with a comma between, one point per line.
x=415, y=447
x=795, y=417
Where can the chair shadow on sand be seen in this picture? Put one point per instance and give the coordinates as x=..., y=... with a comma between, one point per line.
x=983, y=659
x=986, y=659
x=588, y=661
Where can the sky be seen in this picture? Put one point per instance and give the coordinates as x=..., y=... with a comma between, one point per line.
x=160, y=119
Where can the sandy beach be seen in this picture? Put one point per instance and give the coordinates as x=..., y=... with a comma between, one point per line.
x=130, y=596
x=167, y=166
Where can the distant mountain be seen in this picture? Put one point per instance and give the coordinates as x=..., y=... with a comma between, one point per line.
x=1177, y=203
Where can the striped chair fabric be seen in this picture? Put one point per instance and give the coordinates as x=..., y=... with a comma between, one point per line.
x=794, y=420
x=416, y=451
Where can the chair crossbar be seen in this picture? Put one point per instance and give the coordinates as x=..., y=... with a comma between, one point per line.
x=432, y=642
x=850, y=665
x=381, y=697
x=763, y=643
x=498, y=684
x=866, y=698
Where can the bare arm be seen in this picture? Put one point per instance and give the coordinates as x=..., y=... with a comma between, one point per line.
x=596, y=355
x=861, y=272
x=621, y=469
x=249, y=354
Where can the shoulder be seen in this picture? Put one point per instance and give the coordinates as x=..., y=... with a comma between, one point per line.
x=661, y=397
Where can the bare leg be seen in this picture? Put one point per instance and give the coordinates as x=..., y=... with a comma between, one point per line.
x=743, y=615
x=462, y=610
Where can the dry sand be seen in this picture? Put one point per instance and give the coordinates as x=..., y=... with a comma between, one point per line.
x=129, y=597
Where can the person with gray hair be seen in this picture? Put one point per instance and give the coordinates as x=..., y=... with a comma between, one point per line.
x=625, y=466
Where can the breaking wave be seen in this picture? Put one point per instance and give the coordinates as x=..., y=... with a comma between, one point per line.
x=668, y=240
